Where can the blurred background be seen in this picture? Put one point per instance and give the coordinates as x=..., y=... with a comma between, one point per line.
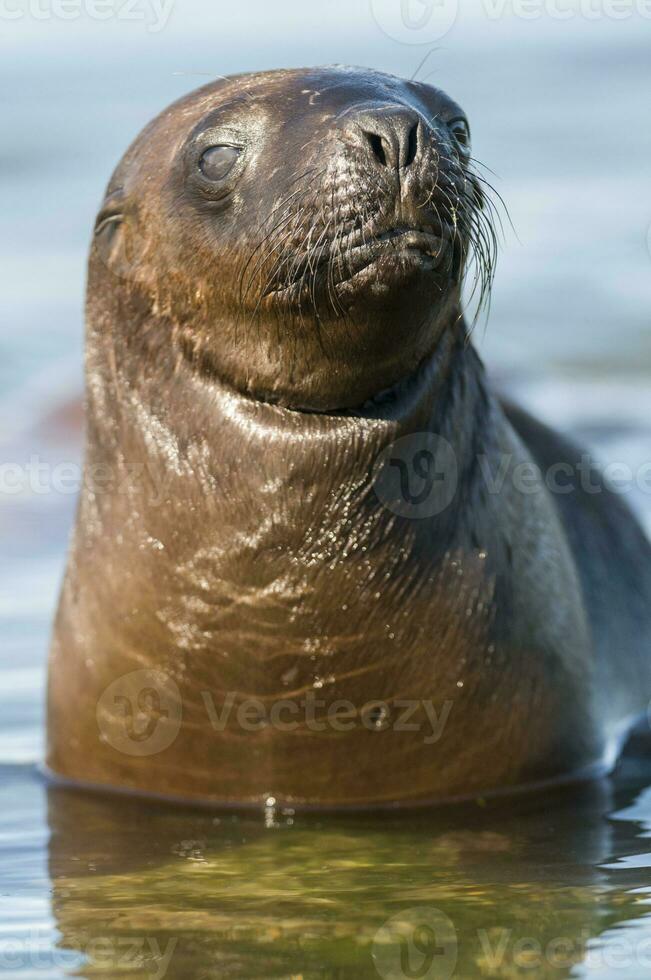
x=558, y=96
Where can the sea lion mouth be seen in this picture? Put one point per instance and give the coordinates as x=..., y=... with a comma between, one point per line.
x=401, y=248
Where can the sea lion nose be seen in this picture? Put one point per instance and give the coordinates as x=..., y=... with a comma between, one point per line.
x=391, y=134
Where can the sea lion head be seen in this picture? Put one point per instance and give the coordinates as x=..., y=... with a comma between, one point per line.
x=301, y=236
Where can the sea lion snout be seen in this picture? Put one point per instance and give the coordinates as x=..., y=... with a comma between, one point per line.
x=390, y=134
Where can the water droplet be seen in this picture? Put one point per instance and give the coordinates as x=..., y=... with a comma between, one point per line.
x=289, y=676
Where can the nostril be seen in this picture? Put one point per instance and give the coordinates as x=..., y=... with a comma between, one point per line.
x=396, y=148
x=377, y=145
x=412, y=146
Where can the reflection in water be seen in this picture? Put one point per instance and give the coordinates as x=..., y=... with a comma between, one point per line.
x=526, y=883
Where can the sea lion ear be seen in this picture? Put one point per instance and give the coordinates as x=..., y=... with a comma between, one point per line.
x=109, y=234
x=111, y=213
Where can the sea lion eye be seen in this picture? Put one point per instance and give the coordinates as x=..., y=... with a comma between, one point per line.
x=461, y=132
x=217, y=161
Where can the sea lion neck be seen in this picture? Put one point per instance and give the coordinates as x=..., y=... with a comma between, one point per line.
x=203, y=417
x=411, y=402
x=193, y=429
x=307, y=474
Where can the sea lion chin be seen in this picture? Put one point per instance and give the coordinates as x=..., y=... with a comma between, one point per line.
x=260, y=602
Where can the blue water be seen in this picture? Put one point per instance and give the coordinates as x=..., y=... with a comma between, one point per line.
x=560, y=113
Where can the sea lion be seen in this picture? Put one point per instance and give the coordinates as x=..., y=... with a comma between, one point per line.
x=316, y=561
